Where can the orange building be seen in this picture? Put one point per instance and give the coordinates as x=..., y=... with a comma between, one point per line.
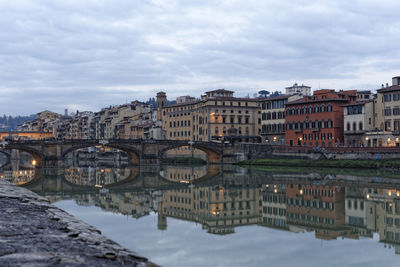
x=311, y=205
x=317, y=120
x=25, y=135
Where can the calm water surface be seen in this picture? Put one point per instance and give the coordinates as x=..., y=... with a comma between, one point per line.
x=208, y=216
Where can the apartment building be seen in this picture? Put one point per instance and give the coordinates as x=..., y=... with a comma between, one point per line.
x=317, y=120
x=387, y=115
x=273, y=118
x=216, y=116
x=298, y=90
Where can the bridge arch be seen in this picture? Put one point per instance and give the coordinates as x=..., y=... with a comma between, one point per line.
x=213, y=155
x=36, y=154
x=133, y=153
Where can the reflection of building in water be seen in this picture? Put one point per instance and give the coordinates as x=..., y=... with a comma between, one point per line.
x=90, y=176
x=359, y=214
x=18, y=177
x=136, y=204
x=274, y=206
x=316, y=207
x=387, y=208
x=217, y=208
x=182, y=173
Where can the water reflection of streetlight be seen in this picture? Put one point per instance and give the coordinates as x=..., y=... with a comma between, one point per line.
x=34, y=162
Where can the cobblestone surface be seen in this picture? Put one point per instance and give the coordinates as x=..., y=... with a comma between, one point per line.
x=35, y=233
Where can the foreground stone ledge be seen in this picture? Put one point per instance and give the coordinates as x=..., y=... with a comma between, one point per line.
x=35, y=233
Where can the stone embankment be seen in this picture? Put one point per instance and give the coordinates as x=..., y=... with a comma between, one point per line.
x=35, y=233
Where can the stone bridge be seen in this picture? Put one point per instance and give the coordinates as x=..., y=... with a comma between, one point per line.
x=139, y=151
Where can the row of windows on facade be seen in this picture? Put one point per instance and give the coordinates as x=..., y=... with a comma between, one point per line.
x=354, y=204
x=274, y=104
x=273, y=115
x=272, y=128
x=388, y=111
x=201, y=132
x=273, y=198
x=318, y=136
x=389, y=97
x=310, y=218
x=354, y=110
x=188, y=114
x=274, y=211
x=275, y=222
x=311, y=143
x=310, y=203
x=360, y=126
x=309, y=125
x=308, y=110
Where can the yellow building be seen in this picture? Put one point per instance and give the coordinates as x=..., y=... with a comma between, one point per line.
x=218, y=209
x=217, y=115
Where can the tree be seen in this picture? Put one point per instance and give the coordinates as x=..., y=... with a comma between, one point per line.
x=263, y=93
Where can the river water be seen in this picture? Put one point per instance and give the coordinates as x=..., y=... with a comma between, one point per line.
x=232, y=216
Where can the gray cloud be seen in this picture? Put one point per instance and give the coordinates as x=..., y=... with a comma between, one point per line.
x=89, y=54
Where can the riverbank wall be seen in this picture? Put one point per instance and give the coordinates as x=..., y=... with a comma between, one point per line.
x=35, y=233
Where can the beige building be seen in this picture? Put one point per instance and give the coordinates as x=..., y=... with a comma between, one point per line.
x=218, y=209
x=218, y=115
x=44, y=122
x=273, y=118
x=108, y=120
x=387, y=116
x=298, y=89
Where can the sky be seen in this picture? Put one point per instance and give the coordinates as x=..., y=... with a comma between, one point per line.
x=91, y=54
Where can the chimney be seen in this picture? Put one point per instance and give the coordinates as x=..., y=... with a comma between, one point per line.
x=387, y=85
x=383, y=86
x=396, y=80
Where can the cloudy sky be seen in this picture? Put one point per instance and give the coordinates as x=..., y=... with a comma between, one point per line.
x=90, y=54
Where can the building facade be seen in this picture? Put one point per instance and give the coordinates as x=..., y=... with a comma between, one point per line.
x=217, y=116
x=317, y=120
x=298, y=89
x=273, y=118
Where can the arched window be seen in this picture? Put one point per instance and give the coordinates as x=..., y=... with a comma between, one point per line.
x=293, y=111
x=298, y=110
x=330, y=124
x=348, y=126
x=322, y=124
x=289, y=126
x=316, y=124
x=274, y=115
x=310, y=109
x=316, y=109
x=360, y=126
x=323, y=108
x=354, y=126
x=304, y=110
x=329, y=109
x=304, y=125
x=268, y=115
x=293, y=125
x=298, y=125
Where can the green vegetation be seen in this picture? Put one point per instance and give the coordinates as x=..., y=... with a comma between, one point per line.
x=183, y=160
x=342, y=163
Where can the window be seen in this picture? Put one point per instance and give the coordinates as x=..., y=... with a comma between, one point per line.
x=387, y=98
x=360, y=126
x=329, y=108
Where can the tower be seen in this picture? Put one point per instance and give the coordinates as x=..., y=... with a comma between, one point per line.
x=161, y=102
